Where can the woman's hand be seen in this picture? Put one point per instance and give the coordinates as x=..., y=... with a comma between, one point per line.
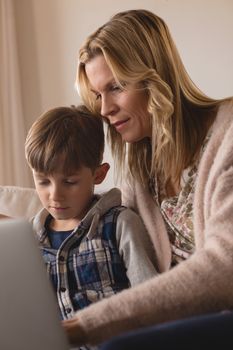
x=73, y=331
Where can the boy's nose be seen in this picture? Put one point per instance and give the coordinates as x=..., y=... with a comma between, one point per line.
x=56, y=193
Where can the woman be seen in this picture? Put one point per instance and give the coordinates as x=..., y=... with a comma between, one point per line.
x=177, y=145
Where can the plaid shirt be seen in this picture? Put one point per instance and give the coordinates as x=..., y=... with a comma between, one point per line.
x=87, y=266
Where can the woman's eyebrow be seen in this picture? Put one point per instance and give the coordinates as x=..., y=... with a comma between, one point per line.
x=105, y=87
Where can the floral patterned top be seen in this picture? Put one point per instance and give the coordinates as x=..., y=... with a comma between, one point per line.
x=177, y=211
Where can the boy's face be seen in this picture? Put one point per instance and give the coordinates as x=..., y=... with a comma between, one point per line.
x=68, y=198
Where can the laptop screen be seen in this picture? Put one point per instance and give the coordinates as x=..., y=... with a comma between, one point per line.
x=29, y=316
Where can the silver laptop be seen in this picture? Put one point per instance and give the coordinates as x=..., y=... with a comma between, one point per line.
x=29, y=316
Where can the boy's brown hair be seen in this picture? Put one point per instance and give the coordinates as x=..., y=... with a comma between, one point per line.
x=72, y=134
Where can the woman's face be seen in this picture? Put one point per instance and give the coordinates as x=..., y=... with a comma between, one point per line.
x=126, y=109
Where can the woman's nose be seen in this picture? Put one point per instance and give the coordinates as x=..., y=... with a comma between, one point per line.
x=108, y=108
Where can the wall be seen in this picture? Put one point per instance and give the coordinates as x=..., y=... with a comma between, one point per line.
x=51, y=31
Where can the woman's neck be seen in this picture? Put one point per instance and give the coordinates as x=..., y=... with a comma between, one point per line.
x=173, y=188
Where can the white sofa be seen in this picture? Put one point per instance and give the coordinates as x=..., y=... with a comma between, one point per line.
x=18, y=202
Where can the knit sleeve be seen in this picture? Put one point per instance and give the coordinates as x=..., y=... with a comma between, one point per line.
x=135, y=247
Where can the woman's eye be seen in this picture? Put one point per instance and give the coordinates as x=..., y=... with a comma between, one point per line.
x=116, y=88
x=97, y=97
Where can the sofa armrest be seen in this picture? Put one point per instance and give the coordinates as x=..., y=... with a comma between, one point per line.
x=19, y=202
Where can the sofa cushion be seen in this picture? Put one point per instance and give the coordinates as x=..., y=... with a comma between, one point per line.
x=19, y=202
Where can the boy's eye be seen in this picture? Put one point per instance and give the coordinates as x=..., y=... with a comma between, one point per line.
x=71, y=182
x=43, y=182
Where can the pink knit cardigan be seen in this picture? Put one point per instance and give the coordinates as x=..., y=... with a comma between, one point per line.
x=204, y=282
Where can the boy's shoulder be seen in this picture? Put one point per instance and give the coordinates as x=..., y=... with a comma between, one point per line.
x=114, y=211
x=122, y=213
x=110, y=207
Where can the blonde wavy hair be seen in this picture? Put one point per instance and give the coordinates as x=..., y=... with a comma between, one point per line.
x=138, y=48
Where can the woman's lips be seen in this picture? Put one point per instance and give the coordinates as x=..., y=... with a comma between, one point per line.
x=120, y=125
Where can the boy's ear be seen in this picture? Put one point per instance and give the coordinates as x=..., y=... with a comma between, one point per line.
x=100, y=173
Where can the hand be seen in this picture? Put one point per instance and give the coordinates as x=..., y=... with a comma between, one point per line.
x=73, y=331
x=4, y=217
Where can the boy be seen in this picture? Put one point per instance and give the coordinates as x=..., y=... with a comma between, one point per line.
x=93, y=247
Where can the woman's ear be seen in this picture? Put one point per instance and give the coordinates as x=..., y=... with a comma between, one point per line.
x=100, y=173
